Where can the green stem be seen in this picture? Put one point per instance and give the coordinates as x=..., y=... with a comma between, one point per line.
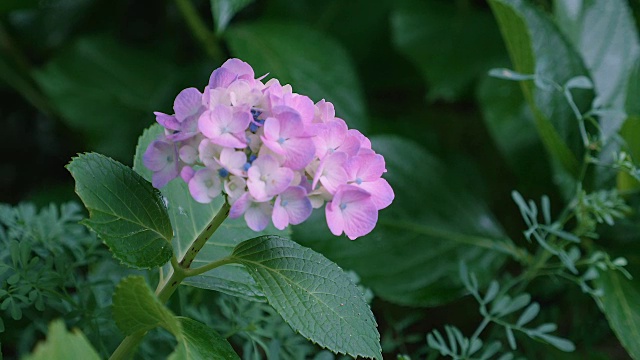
x=208, y=267
x=207, y=38
x=128, y=345
x=180, y=272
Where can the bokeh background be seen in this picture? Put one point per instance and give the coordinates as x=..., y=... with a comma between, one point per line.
x=86, y=75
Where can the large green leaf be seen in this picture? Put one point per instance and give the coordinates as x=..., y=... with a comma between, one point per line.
x=199, y=342
x=630, y=130
x=632, y=105
x=605, y=34
x=312, y=63
x=137, y=309
x=450, y=45
x=125, y=210
x=107, y=91
x=537, y=47
x=510, y=122
x=189, y=218
x=621, y=305
x=412, y=255
x=62, y=344
x=312, y=294
x=224, y=10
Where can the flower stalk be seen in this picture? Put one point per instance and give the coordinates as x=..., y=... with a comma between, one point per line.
x=180, y=271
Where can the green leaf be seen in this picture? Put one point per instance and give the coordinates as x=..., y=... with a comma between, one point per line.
x=107, y=91
x=62, y=344
x=621, y=305
x=312, y=63
x=560, y=343
x=468, y=44
x=630, y=130
x=201, y=342
x=528, y=314
x=433, y=220
x=125, y=210
x=136, y=308
x=632, y=105
x=189, y=218
x=312, y=294
x=511, y=125
x=224, y=10
x=537, y=47
x=604, y=33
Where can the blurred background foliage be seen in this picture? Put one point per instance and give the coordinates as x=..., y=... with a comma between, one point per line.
x=86, y=75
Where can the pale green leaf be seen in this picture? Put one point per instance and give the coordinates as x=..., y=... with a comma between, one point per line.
x=560, y=343
x=528, y=314
x=224, y=10
x=537, y=47
x=604, y=33
x=314, y=64
x=312, y=294
x=199, y=342
x=125, y=210
x=621, y=305
x=136, y=308
x=433, y=220
x=62, y=344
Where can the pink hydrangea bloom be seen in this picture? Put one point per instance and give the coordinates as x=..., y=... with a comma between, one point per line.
x=273, y=153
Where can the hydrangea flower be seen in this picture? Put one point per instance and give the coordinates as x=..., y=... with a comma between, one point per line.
x=274, y=154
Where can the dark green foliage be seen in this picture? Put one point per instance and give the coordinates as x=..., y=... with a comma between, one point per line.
x=47, y=261
x=86, y=75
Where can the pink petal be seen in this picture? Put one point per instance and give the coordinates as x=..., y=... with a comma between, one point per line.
x=296, y=203
x=351, y=146
x=365, y=143
x=330, y=137
x=331, y=172
x=158, y=155
x=359, y=218
x=187, y=103
x=240, y=206
x=257, y=216
x=334, y=219
x=279, y=217
x=356, y=209
x=187, y=173
x=302, y=105
x=367, y=167
x=240, y=68
x=298, y=152
x=204, y=186
x=167, y=121
x=241, y=121
x=161, y=178
x=381, y=192
x=326, y=110
x=233, y=160
x=291, y=124
x=221, y=77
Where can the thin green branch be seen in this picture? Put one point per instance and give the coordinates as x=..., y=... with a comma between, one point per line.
x=200, y=31
x=180, y=270
x=19, y=75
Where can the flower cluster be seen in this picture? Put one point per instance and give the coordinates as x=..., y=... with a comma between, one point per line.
x=274, y=153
